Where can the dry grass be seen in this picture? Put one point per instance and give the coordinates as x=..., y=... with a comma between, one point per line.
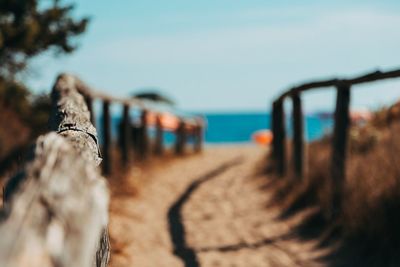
x=13, y=133
x=366, y=232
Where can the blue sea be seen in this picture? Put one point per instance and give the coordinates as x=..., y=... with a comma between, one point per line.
x=239, y=127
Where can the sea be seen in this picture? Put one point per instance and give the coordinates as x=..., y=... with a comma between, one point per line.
x=239, y=127
x=231, y=128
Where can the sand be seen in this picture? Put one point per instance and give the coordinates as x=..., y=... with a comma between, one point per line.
x=212, y=205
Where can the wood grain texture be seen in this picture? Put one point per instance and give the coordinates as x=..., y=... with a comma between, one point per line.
x=56, y=209
x=70, y=117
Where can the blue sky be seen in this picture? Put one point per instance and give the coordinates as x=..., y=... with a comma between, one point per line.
x=231, y=55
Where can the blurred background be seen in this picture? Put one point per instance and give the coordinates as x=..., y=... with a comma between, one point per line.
x=226, y=61
x=222, y=59
x=229, y=56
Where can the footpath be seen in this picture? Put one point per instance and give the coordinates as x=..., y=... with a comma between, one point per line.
x=206, y=210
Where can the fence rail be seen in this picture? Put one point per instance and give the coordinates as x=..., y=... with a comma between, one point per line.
x=186, y=127
x=55, y=212
x=341, y=125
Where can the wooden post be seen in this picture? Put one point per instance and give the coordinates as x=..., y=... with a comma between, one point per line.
x=339, y=144
x=274, y=129
x=125, y=135
x=55, y=211
x=198, y=137
x=89, y=103
x=106, y=138
x=298, y=136
x=185, y=135
x=143, y=139
x=159, y=142
x=180, y=138
x=279, y=133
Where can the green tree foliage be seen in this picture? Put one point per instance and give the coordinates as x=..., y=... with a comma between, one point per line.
x=26, y=30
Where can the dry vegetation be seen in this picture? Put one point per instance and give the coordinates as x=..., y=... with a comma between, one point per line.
x=23, y=118
x=366, y=231
x=14, y=132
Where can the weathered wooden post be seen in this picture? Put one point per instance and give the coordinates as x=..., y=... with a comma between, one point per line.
x=159, y=141
x=89, y=103
x=107, y=161
x=55, y=212
x=298, y=136
x=125, y=135
x=180, y=138
x=143, y=144
x=339, y=143
x=279, y=135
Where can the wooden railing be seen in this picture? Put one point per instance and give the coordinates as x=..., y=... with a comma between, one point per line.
x=186, y=127
x=341, y=125
x=55, y=212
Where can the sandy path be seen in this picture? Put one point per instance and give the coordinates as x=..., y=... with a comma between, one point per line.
x=212, y=206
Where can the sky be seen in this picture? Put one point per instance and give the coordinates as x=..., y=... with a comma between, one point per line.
x=231, y=55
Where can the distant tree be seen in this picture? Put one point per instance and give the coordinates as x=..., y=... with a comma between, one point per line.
x=153, y=95
x=27, y=29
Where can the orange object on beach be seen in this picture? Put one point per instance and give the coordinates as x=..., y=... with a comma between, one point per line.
x=263, y=137
x=169, y=121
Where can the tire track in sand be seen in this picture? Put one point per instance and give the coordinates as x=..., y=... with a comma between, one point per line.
x=175, y=220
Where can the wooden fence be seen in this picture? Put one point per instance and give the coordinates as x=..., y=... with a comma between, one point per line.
x=55, y=212
x=341, y=125
x=185, y=127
